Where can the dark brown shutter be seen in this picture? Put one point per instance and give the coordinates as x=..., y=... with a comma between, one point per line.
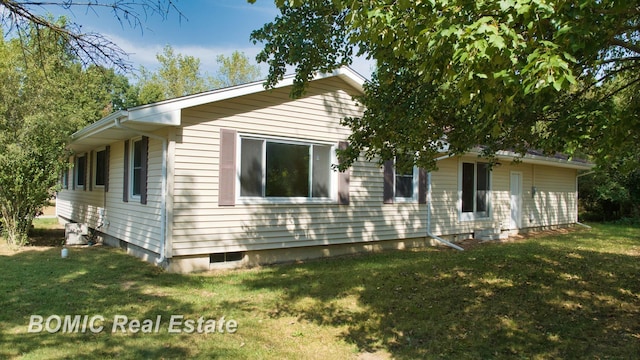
x=106, y=167
x=66, y=178
x=125, y=185
x=227, y=168
x=422, y=186
x=89, y=169
x=343, y=180
x=144, y=164
x=387, y=192
x=74, y=169
x=84, y=159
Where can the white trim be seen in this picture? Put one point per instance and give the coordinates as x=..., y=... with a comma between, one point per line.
x=99, y=126
x=246, y=200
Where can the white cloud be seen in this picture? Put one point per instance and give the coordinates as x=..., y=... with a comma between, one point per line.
x=145, y=53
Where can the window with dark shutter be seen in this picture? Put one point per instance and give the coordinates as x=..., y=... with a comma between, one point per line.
x=402, y=181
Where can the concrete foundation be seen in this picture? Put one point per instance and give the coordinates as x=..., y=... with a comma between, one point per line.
x=245, y=259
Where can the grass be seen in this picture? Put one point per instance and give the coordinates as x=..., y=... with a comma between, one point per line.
x=570, y=296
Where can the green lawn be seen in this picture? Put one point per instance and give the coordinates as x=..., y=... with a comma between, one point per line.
x=574, y=296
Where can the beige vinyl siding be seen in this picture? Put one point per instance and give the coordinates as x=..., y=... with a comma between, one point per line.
x=555, y=198
x=130, y=221
x=553, y=204
x=201, y=226
x=444, y=198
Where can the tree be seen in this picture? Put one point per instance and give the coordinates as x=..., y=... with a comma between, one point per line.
x=613, y=191
x=19, y=16
x=610, y=194
x=235, y=70
x=180, y=75
x=509, y=74
x=47, y=95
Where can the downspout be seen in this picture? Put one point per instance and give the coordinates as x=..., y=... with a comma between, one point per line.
x=429, y=233
x=578, y=176
x=163, y=197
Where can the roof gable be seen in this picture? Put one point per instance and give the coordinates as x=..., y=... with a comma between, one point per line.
x=151, y=117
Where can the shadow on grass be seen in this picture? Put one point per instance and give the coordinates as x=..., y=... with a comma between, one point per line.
x=555, y=298
x=46, y=237
x=92, y=281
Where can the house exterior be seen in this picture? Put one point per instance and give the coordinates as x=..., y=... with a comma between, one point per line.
x=242, y=176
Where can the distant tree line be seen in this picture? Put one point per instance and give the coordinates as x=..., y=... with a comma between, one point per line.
x=52, y=84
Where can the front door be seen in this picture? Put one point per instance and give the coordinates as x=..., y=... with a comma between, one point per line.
x=516, y=200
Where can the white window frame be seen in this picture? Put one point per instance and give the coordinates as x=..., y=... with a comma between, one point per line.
x=94, y=168
x=415, y=180
x=131, y=161
x=475, y=215
x=333, y=178
x=75, y=170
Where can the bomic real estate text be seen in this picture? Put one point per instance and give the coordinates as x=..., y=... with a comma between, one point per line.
x=176, y=324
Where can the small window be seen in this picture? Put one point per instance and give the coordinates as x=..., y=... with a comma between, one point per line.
x=101, y=168
x=405, y=181
x=273, y=169
x=475, y=189
x=136, y=168
x=81, y=170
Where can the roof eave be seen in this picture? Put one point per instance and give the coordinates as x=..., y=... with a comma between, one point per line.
x=99, y=126
x=545, y=160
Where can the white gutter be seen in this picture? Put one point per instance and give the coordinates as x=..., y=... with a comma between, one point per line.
x=583, y=174
x=163, y=198
x=429, y=233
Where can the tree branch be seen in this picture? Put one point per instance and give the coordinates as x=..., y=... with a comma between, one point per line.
x=623, y=44
x=90, y=48
x=626, y=86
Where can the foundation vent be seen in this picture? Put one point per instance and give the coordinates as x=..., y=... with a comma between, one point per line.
x=225, y=257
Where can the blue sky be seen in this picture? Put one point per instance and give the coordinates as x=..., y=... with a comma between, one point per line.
x=207, y=29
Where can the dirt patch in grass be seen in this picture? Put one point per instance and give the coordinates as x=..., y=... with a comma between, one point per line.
x=45, y=234
x=46, y=237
